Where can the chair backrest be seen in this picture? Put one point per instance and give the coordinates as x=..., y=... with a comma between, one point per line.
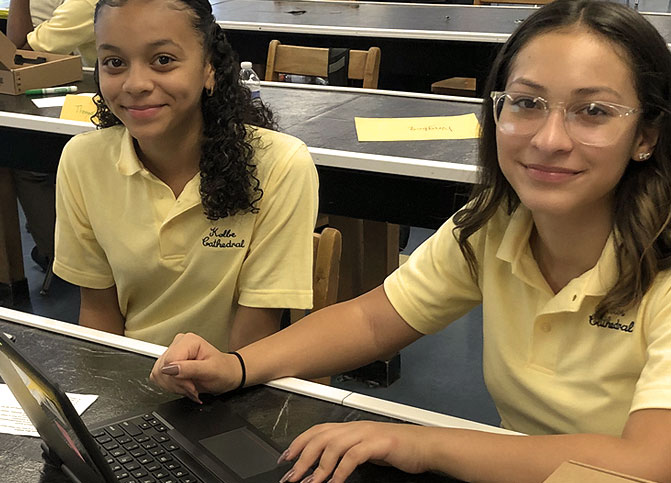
x=327, y=247
x=364, y=65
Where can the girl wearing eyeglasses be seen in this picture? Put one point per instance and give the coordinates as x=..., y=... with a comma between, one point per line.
x=565, y=242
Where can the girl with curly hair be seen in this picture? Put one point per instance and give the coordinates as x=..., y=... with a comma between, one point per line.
x=184, y=211
x=566, y=243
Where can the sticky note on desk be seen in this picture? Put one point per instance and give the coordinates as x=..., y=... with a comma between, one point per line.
x=78, y=108
x=465, y=126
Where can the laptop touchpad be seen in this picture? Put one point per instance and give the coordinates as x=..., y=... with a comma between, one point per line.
x=242, y=451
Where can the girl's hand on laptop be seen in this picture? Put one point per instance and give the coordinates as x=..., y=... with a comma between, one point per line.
x=340, y=447
x=192, y=365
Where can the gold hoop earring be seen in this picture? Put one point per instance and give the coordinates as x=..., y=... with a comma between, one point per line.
x=210, y=91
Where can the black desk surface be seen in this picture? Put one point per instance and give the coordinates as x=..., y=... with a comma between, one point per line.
x=120, y=379
x=380, y=19
x=396, y=189
x=447, y=22
x=325, y=119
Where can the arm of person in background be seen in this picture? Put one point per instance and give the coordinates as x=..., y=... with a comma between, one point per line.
x=68, y=29
x=251, y=324
x=99, y=309
x=19, y=23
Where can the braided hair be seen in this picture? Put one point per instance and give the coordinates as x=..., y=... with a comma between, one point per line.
x=228, y=182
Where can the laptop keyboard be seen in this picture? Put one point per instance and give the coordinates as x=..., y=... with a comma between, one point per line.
x=140, y=451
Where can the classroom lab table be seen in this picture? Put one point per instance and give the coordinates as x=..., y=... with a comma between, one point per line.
x=116, y=368
x=417, y=183
x=420, y=43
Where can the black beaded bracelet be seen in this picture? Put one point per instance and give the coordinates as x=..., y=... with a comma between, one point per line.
x=244, y=370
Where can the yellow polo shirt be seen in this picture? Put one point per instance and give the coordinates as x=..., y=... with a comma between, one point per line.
x=549, y=366
x=42, y=10
x=70, y=29
x=174, y=269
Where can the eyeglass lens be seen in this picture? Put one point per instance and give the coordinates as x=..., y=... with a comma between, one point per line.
x=591, y=123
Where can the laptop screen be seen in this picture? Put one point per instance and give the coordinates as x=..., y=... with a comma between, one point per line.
x=52, y=414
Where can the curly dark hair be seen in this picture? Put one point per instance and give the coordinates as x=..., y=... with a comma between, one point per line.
x=228, y=184
x=642, y=198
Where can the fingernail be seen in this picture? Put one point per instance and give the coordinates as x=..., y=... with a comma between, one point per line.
x=287, y=475
x=308, y=479
x=193, y=395
x=170, y=370
x=283, y=457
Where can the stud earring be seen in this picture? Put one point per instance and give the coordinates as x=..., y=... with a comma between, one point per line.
x=643, y=156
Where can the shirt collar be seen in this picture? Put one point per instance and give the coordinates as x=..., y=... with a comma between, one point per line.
x=515, y=249
x=515, y=239
x=128, y=163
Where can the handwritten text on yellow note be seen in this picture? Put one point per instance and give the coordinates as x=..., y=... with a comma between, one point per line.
x=417, y=128
x=78, y=108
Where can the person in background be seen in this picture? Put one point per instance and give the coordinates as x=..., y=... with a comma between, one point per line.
x=61, y=27
x=185, y=211
x=566, y=243
x=42, y=10
x=69, y=28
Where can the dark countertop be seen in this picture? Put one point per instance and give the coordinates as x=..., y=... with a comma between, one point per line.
x=120, y=380
x=325, y=119
x=429, y=21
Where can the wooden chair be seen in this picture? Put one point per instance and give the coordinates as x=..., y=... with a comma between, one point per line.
x=326, y=249
x=455, y=86
x=364, y=65
x=369, y=249
x=326, y=254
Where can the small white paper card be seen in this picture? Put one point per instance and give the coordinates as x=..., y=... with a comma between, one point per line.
x=54, y=101
x=14, y=421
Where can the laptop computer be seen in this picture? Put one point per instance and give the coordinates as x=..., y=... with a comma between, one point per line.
x=177, y=442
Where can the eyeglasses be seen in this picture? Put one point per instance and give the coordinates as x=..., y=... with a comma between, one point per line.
x=593, y=123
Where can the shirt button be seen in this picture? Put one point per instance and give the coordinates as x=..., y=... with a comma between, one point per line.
x=546, y=327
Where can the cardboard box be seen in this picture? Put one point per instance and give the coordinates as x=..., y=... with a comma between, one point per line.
x=574, y=472
x=56, y=69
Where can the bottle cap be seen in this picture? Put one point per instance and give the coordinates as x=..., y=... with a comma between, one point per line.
x=246, y=65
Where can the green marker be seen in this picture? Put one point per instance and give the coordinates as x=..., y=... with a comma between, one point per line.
x=51, y=90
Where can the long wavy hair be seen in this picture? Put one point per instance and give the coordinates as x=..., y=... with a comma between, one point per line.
x=643, y=195
x=228, y=184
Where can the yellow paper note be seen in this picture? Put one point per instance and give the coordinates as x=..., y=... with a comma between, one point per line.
x=417, y=128
x=78, y=108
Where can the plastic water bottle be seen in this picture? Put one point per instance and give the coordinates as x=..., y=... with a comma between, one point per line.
x=250, y=80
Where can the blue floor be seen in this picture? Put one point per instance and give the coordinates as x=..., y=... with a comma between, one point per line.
x=440, y=372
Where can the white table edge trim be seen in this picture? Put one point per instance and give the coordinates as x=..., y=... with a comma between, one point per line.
x=492, y=37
